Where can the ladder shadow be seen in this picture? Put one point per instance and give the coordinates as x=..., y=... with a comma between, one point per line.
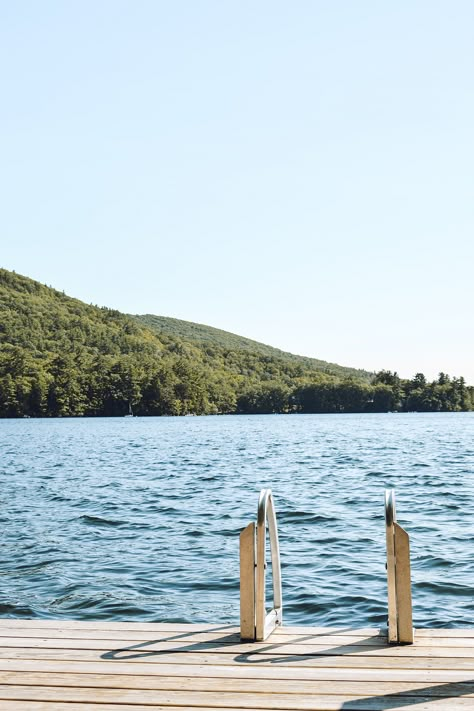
x=258, y=656
x=120, y=654
x=263, y=655
x=138, y=651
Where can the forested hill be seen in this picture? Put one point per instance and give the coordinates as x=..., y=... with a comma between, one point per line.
x=62, y=357
x=197, y=332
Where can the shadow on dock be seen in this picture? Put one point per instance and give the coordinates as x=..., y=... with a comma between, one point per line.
x=438, y=692
x=120, y=654
x=259, y=655
x=263, y=654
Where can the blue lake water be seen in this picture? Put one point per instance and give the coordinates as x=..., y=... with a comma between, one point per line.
x=139, y=518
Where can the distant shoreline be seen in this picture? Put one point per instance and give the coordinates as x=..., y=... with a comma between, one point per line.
x=231, y=414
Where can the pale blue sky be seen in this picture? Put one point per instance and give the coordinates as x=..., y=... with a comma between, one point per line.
x=297, y=172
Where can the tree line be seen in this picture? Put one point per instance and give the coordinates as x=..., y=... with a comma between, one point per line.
x=60, y=357
x=387, y=393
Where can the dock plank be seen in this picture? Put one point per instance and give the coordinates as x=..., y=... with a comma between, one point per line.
x=239, y=685
x=29, y=624
x=135, y=648
x=54, y=665
x=280, y=636
x=250, y=660
x=223, y=700
x=264, y=671
x=8, y=705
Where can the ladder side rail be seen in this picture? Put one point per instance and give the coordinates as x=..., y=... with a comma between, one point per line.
x=390, y=517
x=403, y=585
x=275, y=555
x=400, y=614
x=261, y=565
x=247, y=582
x=265, y=624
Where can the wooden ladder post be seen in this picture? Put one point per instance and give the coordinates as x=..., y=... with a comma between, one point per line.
x=400, y=616
x=247, y=583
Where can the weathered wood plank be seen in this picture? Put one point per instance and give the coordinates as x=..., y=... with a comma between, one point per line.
x=282, y=636
x=51, y=666
x=66, y=706
x=254, y=659
x=172, y=627
x=432, y=632
x=247, y=671
x=191, y=699
x=242, y=686
x=121, y=648
x=180, y=626
x=204, y=637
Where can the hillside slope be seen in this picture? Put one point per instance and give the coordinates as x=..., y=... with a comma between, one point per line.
x=61, y=357
x=196, y=332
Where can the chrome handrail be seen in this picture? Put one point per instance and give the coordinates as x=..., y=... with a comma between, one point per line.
x=390, y=518
x=400, y=622
x=390, y=508
x=255, y=623
x=266, y=512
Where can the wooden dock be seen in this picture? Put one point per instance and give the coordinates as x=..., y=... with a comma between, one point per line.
x=105, y=666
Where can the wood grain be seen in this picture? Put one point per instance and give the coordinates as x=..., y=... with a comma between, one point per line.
x=66, y=666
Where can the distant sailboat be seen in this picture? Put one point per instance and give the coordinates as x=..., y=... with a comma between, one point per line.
x=130, y=411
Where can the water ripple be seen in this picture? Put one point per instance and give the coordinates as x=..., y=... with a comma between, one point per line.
x=139, y=518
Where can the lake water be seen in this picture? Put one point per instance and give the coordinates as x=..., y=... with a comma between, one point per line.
x=139, y=518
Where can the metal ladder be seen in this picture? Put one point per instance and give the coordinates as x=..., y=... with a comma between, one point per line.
x=256, y=624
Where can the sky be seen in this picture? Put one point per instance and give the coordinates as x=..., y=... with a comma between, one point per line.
x=300, y=173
